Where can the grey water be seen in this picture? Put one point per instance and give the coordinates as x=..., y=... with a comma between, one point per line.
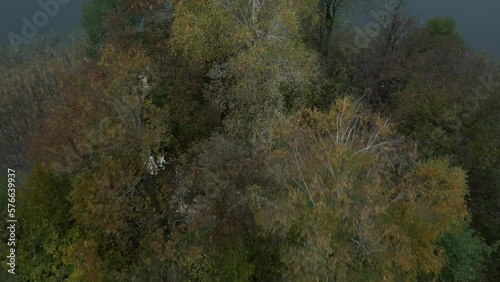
x=63, y=16
x=478, y=21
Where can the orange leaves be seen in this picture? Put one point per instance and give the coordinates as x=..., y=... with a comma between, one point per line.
x=442, y=188
x=435, y=205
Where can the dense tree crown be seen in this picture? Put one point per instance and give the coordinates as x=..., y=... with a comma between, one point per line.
x=253, y=140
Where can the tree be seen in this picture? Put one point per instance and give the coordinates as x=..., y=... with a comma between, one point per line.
x=203, y=142
x=442, y=26
x=349, y=203
x=104, y=134
x=466, y=256
x=30, y=84
x=328, y=10
x=48, y=229
x=454, y=116
x=401, y=52
x=256, y=61
x=117, y=20
x=218, y=240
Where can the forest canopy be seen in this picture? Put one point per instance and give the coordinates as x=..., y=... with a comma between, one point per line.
x=252, y=140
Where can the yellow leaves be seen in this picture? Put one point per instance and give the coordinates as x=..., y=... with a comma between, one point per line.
x=337, y=154
x=202, y=30
x=464, y=214
x=335, y=188
x=213, y=29
x=263, y=59
x=444, y=187
x=121, y=66
x=436, y=204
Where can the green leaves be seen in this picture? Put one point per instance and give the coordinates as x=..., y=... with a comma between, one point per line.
x=203, y=31
x=48, y=229
x=93, y=21
x=442, y=26
x=466, y=255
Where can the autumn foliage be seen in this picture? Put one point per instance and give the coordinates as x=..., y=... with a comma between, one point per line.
x=233, y=140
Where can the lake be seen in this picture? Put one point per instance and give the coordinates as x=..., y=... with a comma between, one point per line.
x=477, y=21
